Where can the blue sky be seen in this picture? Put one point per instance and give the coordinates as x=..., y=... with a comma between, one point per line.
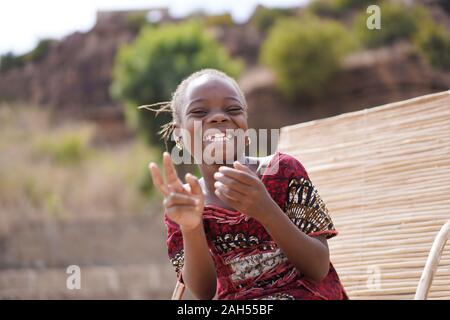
x=24, y=22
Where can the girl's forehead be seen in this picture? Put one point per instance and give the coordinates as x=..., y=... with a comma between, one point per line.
x=207, y=87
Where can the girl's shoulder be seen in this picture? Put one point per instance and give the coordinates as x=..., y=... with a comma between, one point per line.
x=281, y=164
x=261, y=163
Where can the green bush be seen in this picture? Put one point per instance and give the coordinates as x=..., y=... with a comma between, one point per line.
x=398, y=22
x=221, y=20
x=149, y=69
x=324, y=7
x=66, y=148
x=10, y=61
x=40, y=51
x=305, y=54
x=264, y=18
x=433, y=43
x=136, y=21
x=339, y=7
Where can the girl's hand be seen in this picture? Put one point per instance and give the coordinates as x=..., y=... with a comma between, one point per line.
x=183, y=204
x=243, y=190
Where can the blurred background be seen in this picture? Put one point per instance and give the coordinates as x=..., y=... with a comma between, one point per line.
x=74, y=184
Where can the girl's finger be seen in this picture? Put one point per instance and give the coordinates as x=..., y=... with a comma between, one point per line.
x=171, y=174
x=221, y=196
x=232, y=183
x=239, y=175
x=227, y=192
x=157, y=179
x=194, y=184
x=239, y=166
x=175, y=199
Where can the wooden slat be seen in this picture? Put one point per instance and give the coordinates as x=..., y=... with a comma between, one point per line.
x=384, y=174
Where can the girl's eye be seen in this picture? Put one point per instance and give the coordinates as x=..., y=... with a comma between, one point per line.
x=235, y=109
x=197, y=113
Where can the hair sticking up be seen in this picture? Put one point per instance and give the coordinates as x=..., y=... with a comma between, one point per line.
x=166, y=129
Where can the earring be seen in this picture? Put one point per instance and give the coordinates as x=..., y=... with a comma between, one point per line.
x=178, y=143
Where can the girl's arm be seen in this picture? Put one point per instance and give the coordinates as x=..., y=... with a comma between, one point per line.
x=183, y=205
x=309, y=255
x=199, y=271
x=243, y=190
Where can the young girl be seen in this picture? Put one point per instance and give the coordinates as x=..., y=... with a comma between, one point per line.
x=238, y=232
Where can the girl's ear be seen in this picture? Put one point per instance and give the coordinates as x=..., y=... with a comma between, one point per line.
x=176, y=133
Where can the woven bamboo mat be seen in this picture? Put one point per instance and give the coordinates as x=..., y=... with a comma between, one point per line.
x=384, y=174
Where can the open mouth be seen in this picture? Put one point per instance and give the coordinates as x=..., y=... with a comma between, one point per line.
x=218, y=137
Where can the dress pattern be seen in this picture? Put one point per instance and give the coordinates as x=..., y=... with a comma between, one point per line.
x=306, y=209
x=249, y=263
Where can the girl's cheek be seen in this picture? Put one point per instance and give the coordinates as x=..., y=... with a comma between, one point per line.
x=242, y=120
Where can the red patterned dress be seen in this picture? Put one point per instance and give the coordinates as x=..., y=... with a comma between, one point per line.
x=249, y=263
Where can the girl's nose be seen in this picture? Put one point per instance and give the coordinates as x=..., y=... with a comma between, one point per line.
x=218, y=117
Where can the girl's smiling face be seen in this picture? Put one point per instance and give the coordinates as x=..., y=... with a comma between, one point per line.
x=216, y=104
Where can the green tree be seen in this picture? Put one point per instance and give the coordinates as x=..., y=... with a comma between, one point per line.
x=305, y=54
x=135, y=21
x=264, y=18
x=40, y=51
x=433, y=43
x=220, y=20
x=10, y=61
x=337, y=8
x=149, y=69
x=398, y=22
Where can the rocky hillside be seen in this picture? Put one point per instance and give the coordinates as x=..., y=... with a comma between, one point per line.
x=75, y=72
x=75, y=75
x=369, y=79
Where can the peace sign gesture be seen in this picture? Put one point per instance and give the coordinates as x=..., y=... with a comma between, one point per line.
x=183, y=204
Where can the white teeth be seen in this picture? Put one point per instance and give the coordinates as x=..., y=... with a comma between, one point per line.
x=218, y=137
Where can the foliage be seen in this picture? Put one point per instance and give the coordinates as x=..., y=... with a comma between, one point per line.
x=222, y=20
x=10, y=61
x=149, y=69
x=337, y=8
x=305, y=54
x=397, y=23
x=135, y=21
x=69, y=147
x=40, y=51
x=264, y=18
x=433, y=43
